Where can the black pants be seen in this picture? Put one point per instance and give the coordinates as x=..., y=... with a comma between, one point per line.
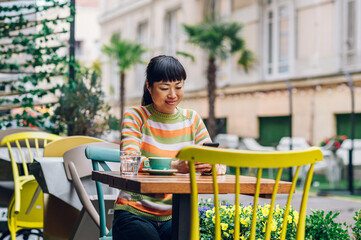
x=127, y=226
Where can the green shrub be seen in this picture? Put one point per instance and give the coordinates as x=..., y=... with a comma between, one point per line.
x=320, y=226
x=227, y=212
x=81, y=109
x=357, y=228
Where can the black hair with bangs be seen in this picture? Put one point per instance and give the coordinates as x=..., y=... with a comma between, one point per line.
x=162, y=68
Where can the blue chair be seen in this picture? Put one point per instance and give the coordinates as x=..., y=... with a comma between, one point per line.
x=99, y=157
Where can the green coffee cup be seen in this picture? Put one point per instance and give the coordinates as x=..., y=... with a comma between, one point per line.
x=158, y=163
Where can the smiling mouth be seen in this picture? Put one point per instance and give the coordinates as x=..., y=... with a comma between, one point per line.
x=171, y=102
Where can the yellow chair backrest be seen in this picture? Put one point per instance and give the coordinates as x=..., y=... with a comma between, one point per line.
x=58, y=147
x=27, y=194
x=8, y=131
x=252, y=159
x=39, y=138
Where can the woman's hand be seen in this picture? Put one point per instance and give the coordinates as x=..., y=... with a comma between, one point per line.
x=203, y=167
x=182, y=166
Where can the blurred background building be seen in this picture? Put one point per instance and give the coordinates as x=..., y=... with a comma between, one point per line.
x=87, y=31
x=311, y=43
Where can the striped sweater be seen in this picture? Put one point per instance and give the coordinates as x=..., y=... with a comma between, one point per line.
x=156, y=134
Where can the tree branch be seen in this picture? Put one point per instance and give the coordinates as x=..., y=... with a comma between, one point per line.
x=33, y=36
x=23, y=50
x=12, y=106
x=55, y=4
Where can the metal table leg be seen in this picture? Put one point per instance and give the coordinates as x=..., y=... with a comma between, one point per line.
x=181, y=217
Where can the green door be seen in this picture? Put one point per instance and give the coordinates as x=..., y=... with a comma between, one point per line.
x=343, y=125
x=272, y=129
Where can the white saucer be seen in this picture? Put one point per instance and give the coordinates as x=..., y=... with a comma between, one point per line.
x=159, y=172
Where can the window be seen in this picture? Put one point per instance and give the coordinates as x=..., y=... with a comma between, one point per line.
x=225, y=8
x=272, y=129
x=279, y=37
x=79, y=45
x=171, y=34
x=142, y=39
x=97, y=46
x=351, y=42
x=343, y=125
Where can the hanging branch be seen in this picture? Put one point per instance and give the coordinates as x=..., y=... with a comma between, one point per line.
x=6, y=29
x=17, y=8
x=32, y=36
x=37, y=22
x=37, y=10
x=49, y=50
x=25, y=95
x=13, y=106
x=38, y=62
x=32, y=92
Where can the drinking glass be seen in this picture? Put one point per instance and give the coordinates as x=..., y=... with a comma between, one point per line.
x=129, y=162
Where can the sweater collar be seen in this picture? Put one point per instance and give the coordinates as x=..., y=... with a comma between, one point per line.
x=154, y=112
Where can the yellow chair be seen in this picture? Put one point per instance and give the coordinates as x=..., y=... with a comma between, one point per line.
x=260, y=160
x=26, y=206
x=59, y=147
x=61, y=226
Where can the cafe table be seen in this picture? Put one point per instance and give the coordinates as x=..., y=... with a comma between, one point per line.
x=179, y=186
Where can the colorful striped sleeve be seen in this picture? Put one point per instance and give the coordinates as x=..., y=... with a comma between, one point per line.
x=202, y=136
x=201, y=132
x=131, y=136
x=131, y=133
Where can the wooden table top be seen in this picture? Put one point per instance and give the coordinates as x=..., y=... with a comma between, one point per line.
x=180, y=183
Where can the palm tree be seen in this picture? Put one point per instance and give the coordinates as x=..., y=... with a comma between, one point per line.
x=126, y=53
x=219, y=40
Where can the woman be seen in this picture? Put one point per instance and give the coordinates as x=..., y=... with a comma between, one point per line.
x=157, y=128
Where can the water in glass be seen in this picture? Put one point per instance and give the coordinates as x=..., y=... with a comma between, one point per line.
x=129, y=162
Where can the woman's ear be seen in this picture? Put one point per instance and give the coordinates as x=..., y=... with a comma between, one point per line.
x=146, y=83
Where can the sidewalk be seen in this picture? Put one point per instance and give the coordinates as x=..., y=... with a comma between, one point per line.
x=346, y=207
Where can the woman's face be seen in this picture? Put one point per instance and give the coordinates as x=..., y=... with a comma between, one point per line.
x=167, y=95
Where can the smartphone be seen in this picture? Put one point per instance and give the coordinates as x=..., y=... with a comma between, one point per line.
x=212, y=144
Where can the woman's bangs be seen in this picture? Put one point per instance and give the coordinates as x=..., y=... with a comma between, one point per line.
x=174, y=74
x=170, y=72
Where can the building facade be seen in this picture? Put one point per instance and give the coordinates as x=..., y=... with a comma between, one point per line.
x=87, y=32
x=304, y=51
